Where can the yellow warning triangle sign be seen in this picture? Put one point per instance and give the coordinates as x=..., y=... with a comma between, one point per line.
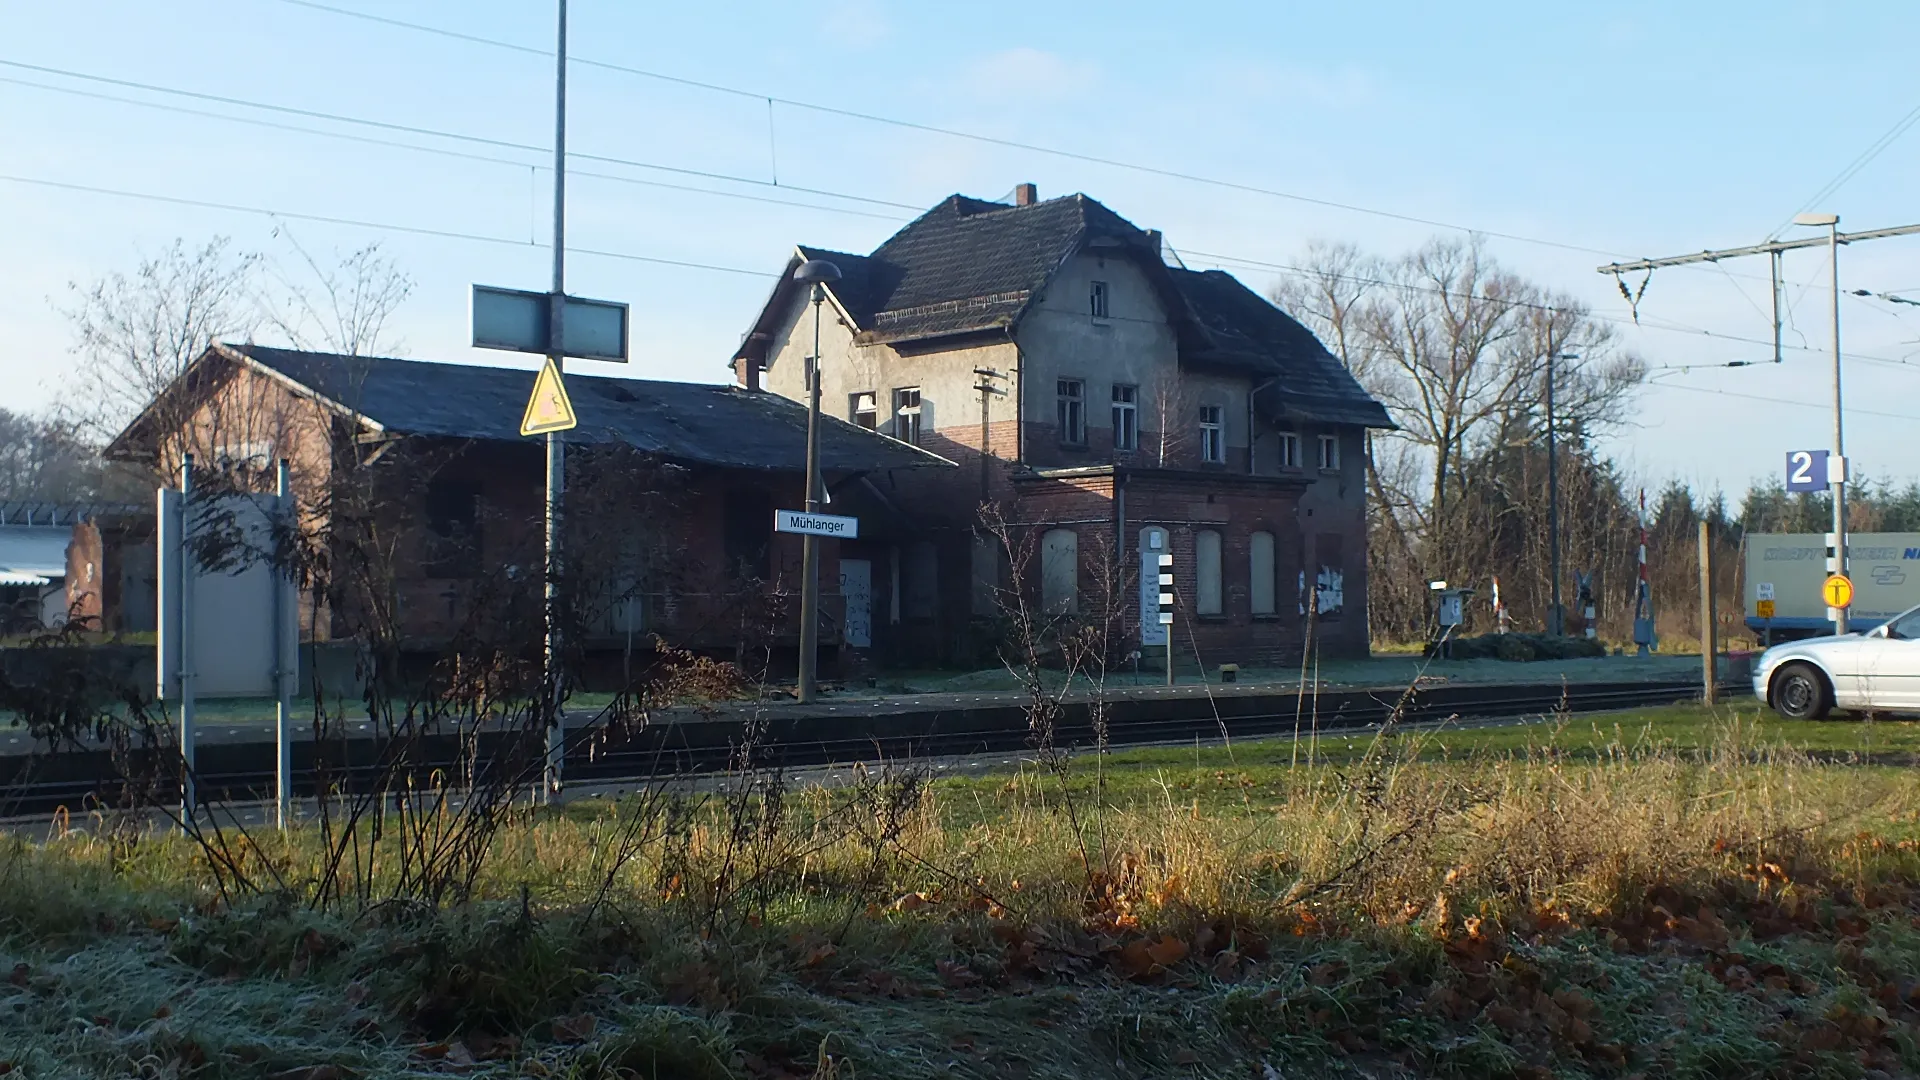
x=549, y=408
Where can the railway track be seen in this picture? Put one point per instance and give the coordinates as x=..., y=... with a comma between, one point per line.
x=241, y=770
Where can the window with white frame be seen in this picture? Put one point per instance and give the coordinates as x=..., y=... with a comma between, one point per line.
x=1289, y=450
x=1213, y=434
x=1126, y=417
x=864, y=410
x=1097, y=300
x=1072, y=411
x=906, y=414
x=1329, y=453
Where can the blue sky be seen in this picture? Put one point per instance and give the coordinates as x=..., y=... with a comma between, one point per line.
x=1607, y=130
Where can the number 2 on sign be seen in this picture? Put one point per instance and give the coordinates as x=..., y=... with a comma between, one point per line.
x=1800, y=467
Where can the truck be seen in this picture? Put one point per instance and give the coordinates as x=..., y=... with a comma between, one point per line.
x=1784, y=573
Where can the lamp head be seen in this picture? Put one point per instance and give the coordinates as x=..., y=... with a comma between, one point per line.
x=1820, y=220
x=816, y=272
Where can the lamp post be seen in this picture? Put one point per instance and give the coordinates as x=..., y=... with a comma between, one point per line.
x=1556, y=617
x=1837, y=475
x=817, y=273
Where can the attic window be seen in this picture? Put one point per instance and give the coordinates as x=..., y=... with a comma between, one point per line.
x=1097, y=300
x=864, y=411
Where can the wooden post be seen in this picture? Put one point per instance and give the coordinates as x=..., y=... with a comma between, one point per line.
x=1710, y=682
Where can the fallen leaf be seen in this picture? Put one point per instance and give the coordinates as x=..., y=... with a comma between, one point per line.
x=19, y=975
x=576, y=1028
x=356, y=993
x=912, y=902
x=1226, y=965
x=956, y=975
x=819, y=953
x=1184, y=1056
x=458, y=1054
x=163, y=1011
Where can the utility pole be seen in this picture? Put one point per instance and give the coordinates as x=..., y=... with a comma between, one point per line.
x=1556, y=618
x=987, y=389
x=1832, y=222
x=1834, y=238
x=815, y=273
x=556, y=449
x=1710, y=679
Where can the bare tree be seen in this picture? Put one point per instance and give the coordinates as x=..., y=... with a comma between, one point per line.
x=1176, y=417
x=1455, y=346
x=136, y=333
x=340, y=308
x=46, y=458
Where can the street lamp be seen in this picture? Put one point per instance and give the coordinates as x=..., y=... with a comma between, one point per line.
x=817, y=273
x=1837, y=464
x=1556, y=617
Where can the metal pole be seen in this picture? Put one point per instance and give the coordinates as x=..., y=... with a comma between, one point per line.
x=189, y=569
x=1554, y=617
x=1169, y=654
x=1839, y=432
x=1709, y=679
x=285, y=663
x=556, y=450
x=809, y=543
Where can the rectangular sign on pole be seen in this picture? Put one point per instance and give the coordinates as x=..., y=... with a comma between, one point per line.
x=518, y=320
x=799, y=521
x=1807, y=470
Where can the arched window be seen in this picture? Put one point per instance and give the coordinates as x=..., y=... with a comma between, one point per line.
x=1260, y=573
x=1206, y=572
x=1060, y=571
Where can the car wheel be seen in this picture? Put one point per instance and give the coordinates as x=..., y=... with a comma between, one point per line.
x=1800, y=693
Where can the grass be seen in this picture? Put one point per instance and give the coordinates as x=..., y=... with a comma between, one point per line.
x=1680, y=892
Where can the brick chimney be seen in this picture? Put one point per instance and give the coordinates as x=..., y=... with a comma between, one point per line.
x=1025, y=195
x=746, y=372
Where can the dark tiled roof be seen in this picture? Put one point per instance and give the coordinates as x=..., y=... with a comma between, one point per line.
x=692, y=423
x=1245, y=330
x=968, y=266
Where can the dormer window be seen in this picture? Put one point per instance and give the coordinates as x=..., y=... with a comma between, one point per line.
x=865, y=411
x=1097, y=300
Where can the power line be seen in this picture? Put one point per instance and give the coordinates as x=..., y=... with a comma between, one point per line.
x=438, y=133
x=442, y=151
x=1873, y=150
x=991, y=140
x=1786, y=401
x=529, y=148
x=1617, y=320
x=445, y=234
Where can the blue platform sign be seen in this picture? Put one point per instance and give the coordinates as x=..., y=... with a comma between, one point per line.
x=1807, y=470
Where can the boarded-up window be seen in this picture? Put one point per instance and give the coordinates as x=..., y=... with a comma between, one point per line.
x=747, y=533
x=921, y=581
x=1260, y=573
x=1060, y=571
x=1206, y=572
x=986, y=574
x=1330, y=574
x=453, y=526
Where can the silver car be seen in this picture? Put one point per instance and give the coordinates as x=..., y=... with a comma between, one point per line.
x=1875, y=671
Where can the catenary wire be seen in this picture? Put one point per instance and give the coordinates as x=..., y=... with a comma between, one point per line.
x=438, y=134
x=431, y=132
x=416, y=230
x=505, y=144
x=993, y=140
x=444, y=151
